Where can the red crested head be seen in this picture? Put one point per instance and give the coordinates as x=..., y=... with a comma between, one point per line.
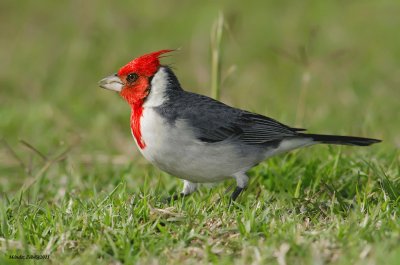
x=133, y=79
x=145, y=65
x=133, y=82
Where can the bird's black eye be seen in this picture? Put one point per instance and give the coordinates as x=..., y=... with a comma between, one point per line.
x=132, y=77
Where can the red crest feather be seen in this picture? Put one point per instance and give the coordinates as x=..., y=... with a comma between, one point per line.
x=145, y=65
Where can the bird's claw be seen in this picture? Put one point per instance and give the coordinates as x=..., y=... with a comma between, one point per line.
x=174, y=197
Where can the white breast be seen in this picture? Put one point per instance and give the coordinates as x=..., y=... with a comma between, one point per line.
x=174, y=149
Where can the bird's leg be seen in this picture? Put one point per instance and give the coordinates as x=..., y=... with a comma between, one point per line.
x=188, y=188
x=241, y=181
x=226, y=192
x=236, y=193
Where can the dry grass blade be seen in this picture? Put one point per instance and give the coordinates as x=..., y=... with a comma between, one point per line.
x=13, y=154
x=166, y=212
x=285, y=54
x=6, y=244
x=47, y=165
x=35, y=150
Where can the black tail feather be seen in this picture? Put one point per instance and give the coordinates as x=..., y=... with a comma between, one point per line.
x=342, y=140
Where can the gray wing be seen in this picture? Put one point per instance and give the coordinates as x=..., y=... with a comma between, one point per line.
x=213, y=121
x=259, y=129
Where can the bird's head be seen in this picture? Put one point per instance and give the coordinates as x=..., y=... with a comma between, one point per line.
x=133, y=81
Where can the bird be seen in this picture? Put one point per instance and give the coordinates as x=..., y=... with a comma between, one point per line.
x=199, y=139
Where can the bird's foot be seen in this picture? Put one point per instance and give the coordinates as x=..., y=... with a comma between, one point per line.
x=174, y=197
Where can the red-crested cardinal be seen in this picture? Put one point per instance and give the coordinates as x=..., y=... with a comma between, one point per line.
x=197, y=138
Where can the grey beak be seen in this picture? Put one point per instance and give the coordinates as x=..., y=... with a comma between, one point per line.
x=112, y=82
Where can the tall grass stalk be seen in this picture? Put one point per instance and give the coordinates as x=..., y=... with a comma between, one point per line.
x=216, y=39
x=305, y=83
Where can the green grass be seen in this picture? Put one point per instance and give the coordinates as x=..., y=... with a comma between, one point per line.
x=76, y=188
x=336, y=208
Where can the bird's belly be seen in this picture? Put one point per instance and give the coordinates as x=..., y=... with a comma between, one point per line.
x=174, y=148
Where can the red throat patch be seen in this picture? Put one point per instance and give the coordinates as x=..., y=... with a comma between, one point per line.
x=136, y=115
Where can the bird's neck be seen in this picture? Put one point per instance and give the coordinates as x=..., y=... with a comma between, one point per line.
x=136, y=115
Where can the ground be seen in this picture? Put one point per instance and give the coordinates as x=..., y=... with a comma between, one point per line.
x=74, y=187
